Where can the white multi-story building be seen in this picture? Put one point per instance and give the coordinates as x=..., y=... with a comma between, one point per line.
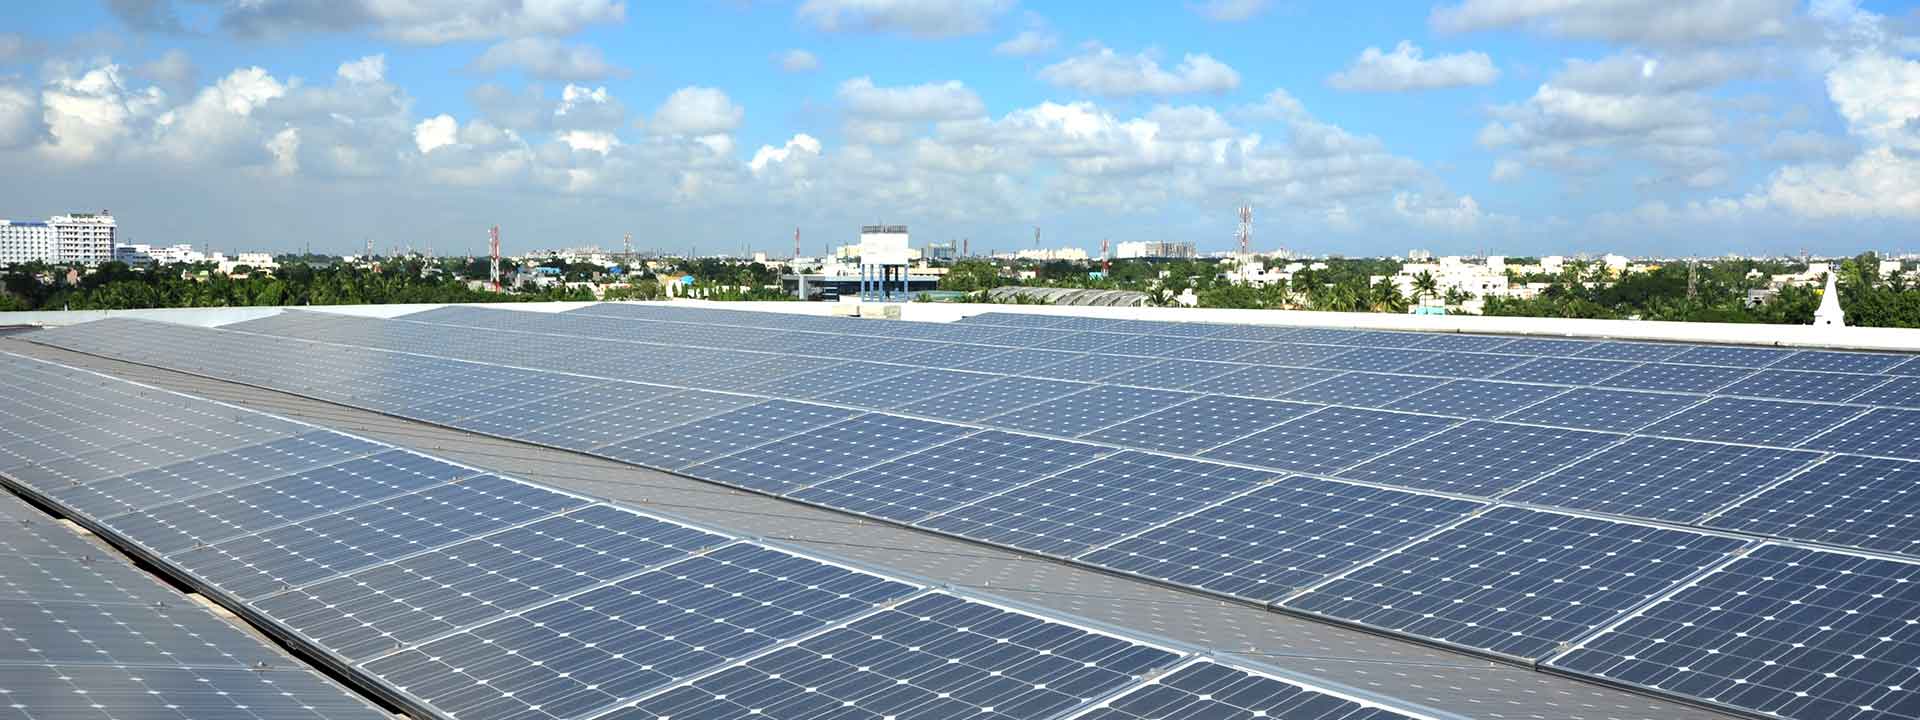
x=1156, y=250
x=141, y=254
x=82, y=238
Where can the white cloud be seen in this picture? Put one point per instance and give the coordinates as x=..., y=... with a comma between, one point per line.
x=88, y=113
x=584, y=108
x=1460, y=215
x=1592, y=115
x=1879, y=96
x=920, y=18
x=1406, y=68
x=798, y=61
x=1230, y=10
x=767, y=155
x=428, y=22
x=21, y=119
x=1806, y=146
x=1033, y=41
x=697, y=111
x=367, y=70
x=173, y=70
x=600, y=142
x=436, y=132
x=547, y=59
x=284, y=146
x=1878, y=183
x=1652, y=22
x=888, y=115
x=1103, y=72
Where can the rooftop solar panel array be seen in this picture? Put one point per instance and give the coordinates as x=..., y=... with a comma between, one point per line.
x=467, y=595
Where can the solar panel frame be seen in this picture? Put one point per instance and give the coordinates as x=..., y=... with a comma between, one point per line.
x=1205, y=689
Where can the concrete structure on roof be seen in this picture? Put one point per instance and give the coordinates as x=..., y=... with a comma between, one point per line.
x=1829, y=314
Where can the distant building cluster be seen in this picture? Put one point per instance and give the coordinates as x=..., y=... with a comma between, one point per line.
x=76, y=238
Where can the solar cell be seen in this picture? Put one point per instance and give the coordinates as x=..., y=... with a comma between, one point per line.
x=1083, y=341
x=1330, y=440
x=1836, y=361
x=991, y=398
x=751, y=372
x=1089, y=410
x=1635, y=351
x=61, y=632
x=935, y=657
x=1019, y=362
x=1674, y=377
x=1663, y=479
x=576, y=655
x=1603, y=409
x=1364, y=389
x=1210, y=690
x=951, y=356
x=1096, y=503
x=1785, y=632
x=1151, y=345
x=1881, y=431
x=1172, y=374
x=1761, y=422
x=218, y=471
x=105, y=691
x=1089, y=368
x=1262, y=381
x=1280, y=538
x=827, y=381
x=1475, y=398
x=1517, y=582
x=1258, y=333
x=1454, y=342
x=1387, y=339
x=1325, y=336
x=385, y=607
x=943, y=477
x=1801, y=385
x=1375, y=359
x=901, y=391
x=1910, y=367
x=1294, y=354
x=723, y=434
x=1733, y=355
x=1481, y=458
x=1462, y=364
x=1897, y=392
x=1548, y=346
x=815, y=455
x=1204, y=423
x=634, y=418
x=1209, y=349
x=1846, y=500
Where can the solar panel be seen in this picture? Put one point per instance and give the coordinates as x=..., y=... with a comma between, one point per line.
x=1210, y=690
x=946, y=476
x=105, y=691
x=1293, y=354
x=1481, y=458
x=1548, y=346
x=1262, y=381
x=1910, y=367
x=1516, y=582
x=752, y=373
x=1155, y=346
x=991, y=397
x=1673, y=377
x=1897, y=392
x=634, y=419
x=1096, y=503
x=1475, y=398
x=935, y=657
x=1846, y=500
x=1364, y=389
x=1019, y=362
x=1204, y=423
x=1083, y=341
x=1172, y=374
x=1635, y=351
x=218, y=471
x=62, y=632
x=1373, y=359
x=1210, y=349
x=723, y=434
x=1733, y=355
x=575, y=655
x=1836, y=361
x=1784, y=631
x=1088, y=368
x=810, y=457
x=1325, y=336
x=1330, y=440
x=1454, y=342
x=950, y=356
x=827, y=381
x=1802, y=385
x=1675, y=480
x=1280, y=538
x=379, y=609
x=1603, y=409
x=1761, y=422
x=1462, y=364
x=901, y=391
x=1089, y=410
x=1881, y=431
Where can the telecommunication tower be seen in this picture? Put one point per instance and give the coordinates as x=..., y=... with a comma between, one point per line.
x=493, y=247
x=1246, y=228
x=627, y=240
x=796, y=244
x=1106, y=260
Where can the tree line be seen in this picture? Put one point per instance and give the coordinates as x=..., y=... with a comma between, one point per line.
x=116, y=286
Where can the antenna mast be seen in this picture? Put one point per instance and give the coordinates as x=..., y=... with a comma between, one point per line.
x=1246, y=228
x=493, y=246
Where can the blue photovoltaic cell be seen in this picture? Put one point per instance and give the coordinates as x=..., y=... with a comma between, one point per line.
x=1897, y=392
x=1603, y=409
x=1191, y=427
x=1325, y=336
x=1663, y=479
x=816, y=455
x=1263, y=381
x=1785, y=632
x=1096, y=503
x=1090, y=367
x=1462, y=364
x=683, y=445
x=1172, y=374
x=827, y=381
x=1734, y=355
x=1387, y=339
x=1835, y=361
x=1847, y=500
x=1517, y=582
x=1212, y=691
x=1089, y=410
x=1374, y=359
x=1481, y=458
x=1675, y=377
x=1364, y=389
x=1910, y=367
x=1476, y=398
x=935, y=657
x=946, y=476
x=1269, y=543
x=1565, y=371
x=1636, y=351
x=1293, y=354
x=1761, y=422
x=1802, y=385
x=1882, y=431
x=1258, y=333
x=573, y=656
x=1330, y=440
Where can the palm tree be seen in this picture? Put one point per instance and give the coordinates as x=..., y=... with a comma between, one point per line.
x=1386, y=297
x=1457, y=297
x=1425, y=286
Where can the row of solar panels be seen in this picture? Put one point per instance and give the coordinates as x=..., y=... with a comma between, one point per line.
x=463, y=594
x=1569, y=451
x=1569, y=590
x=84, y=634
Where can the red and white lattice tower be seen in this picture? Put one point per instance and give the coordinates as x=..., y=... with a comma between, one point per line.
x=493, y=246
x=1246, y=228
x=796, y=244
x=1106, y=260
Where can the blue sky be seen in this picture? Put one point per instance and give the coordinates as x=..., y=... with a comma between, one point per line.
x=1504, y=126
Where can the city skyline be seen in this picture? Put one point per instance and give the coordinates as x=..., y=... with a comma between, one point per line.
x=1743, y=126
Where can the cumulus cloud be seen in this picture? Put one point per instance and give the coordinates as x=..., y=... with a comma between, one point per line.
x=22, y=122
x=585, y=108
x=1878, y=183
x=547, y=59
x=1028, y=42
x=173, y=70
x=697, y=111
x=436, y=132
x=797, y=61
x=1230, y=10
x=768, y=156
x=1407, y=68
x=887, y=115
x=1101, y=71
x=1651, y=22
x=1457, y=215
x=1878, y=94
x=920, y=18
x=427, y=22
